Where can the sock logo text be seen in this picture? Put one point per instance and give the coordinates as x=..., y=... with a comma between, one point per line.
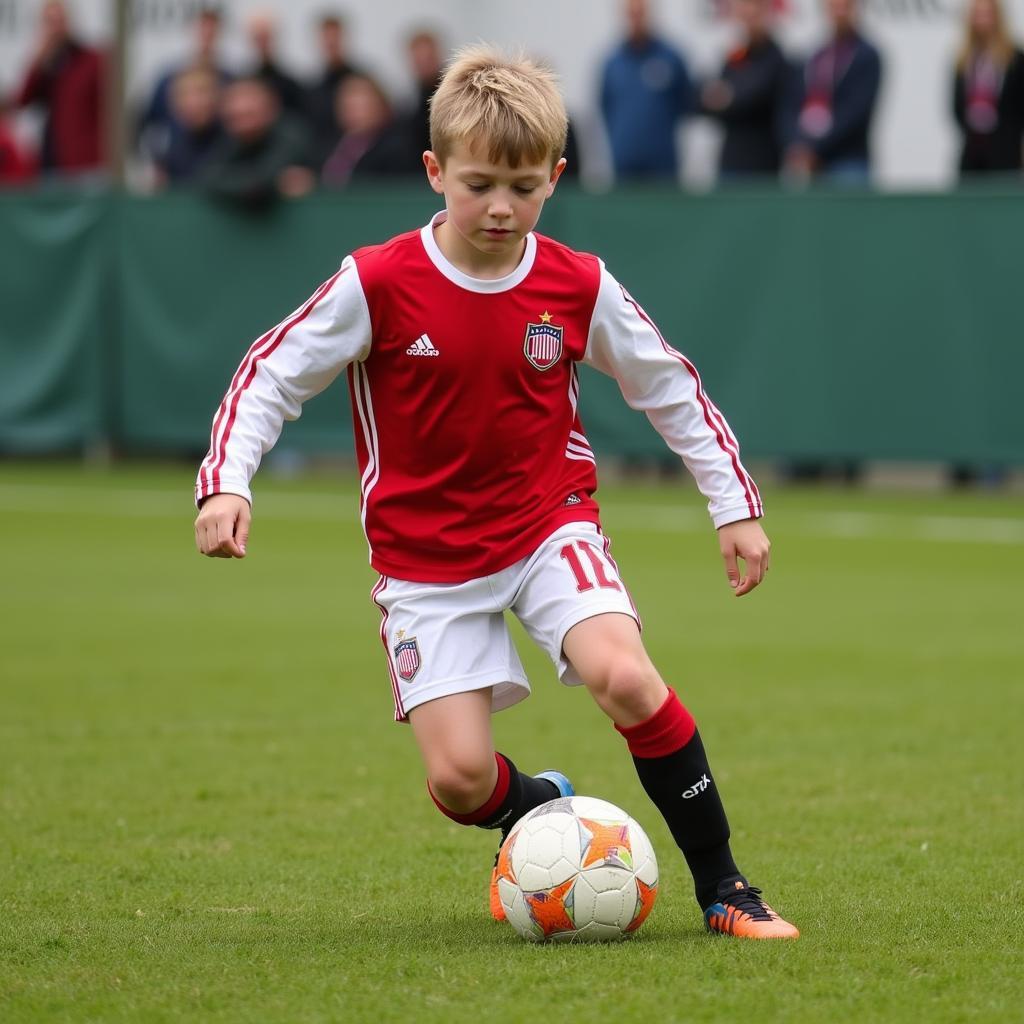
x=697, y=788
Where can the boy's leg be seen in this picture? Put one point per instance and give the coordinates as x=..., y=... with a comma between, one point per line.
x=607, y=653
x=469, y=781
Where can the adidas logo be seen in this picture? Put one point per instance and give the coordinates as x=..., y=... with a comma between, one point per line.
x=422, y=346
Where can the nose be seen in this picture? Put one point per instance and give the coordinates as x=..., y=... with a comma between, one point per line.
x=500, y=207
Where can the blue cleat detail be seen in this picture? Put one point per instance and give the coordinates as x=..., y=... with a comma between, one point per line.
x=560, y=782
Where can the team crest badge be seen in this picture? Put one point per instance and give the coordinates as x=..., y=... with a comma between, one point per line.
x=407, y=658
x=543, y=344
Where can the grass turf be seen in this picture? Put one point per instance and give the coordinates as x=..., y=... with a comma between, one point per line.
x=206, y=813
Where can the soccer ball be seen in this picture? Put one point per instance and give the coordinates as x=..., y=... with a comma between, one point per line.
x=577, y=869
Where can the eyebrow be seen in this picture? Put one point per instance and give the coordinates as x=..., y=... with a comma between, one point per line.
x=473, y=172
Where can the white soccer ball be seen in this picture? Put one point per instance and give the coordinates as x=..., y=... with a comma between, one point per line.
x=577, y=869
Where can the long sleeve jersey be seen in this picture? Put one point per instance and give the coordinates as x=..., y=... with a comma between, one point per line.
x=464, y=398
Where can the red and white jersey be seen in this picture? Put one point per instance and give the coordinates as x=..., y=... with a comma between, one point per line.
x=464, y=400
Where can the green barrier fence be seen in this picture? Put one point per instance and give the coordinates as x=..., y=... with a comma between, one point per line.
x=825, y=325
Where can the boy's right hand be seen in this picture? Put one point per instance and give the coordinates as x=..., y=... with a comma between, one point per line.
x=222, y=526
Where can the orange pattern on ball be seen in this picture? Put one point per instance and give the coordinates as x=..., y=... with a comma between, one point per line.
x=646, y=895
x=548, y=908
x=609, y=845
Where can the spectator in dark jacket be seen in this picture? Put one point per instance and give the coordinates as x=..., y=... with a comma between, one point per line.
x=833, y=104
x=195, y=106
x=262, y=31
x=426, y=61
x=988, y=93
x=332, y=40
x=67, y=80
x=158, y=125
x=265, y=153
x=373, y=142
x=747, y=96
x=645, y=91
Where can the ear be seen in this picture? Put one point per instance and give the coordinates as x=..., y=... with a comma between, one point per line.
x=556, y=173
x=435, y=173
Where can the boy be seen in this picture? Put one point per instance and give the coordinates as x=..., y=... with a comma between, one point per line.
x=461, y=342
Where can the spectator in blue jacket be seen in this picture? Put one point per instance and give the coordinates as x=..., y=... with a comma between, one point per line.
x=833, y=104
x=645, y=90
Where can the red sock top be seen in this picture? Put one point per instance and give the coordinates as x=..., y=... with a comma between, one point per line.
x=669, y=729
x=493, y=802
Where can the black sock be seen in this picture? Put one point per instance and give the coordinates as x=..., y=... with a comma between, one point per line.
x=524, y=793
x=683, y=789
x=673, y=768
x=515, y=794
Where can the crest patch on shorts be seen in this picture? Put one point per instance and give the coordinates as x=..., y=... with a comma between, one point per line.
x=543, y=343
x=407, y=658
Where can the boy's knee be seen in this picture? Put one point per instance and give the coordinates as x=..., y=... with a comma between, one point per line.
x=463, y=784
x=628, y=687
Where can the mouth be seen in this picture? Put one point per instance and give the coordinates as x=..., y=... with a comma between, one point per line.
x=497, y=232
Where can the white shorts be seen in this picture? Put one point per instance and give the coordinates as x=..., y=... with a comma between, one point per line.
x=444, y=638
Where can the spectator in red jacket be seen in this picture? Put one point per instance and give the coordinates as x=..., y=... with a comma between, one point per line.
x=66, y=79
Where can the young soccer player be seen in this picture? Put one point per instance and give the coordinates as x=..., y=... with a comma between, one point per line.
x=461, y=342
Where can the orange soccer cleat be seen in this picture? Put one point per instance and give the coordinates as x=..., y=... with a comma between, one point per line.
x=497, y=910
x=739, y=910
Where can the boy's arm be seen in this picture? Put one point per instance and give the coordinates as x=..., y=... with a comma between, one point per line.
x=288, y=365
x=656, y=379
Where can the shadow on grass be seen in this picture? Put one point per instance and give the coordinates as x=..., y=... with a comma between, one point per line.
x=428, y=929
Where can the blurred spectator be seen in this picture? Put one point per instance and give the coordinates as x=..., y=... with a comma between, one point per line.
x=262, y=29
x=645, y=90
x=747, y=96
x=373, y=142
x=834, y=101
x=426, y=60
x=571, y=154
x=264, y=154
x=17, y=165
x=195, y=103
x=159, y=124
x=332, y=40
x=988, y=94
x=67, y=80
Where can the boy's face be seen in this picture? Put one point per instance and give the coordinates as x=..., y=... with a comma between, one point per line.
x=491, y=206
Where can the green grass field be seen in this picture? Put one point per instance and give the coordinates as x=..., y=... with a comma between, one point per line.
x=207, y=814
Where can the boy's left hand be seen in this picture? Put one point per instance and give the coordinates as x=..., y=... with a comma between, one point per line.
x=748, y=541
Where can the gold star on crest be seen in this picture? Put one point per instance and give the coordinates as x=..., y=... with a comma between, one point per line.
x=545, y=317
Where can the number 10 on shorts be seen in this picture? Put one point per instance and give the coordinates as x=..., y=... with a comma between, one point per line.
x=571, y=554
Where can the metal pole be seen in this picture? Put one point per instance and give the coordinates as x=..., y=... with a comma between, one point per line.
x=117, y=119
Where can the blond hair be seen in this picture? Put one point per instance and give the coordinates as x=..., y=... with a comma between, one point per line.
x=510, y=105
x=1001, y=47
